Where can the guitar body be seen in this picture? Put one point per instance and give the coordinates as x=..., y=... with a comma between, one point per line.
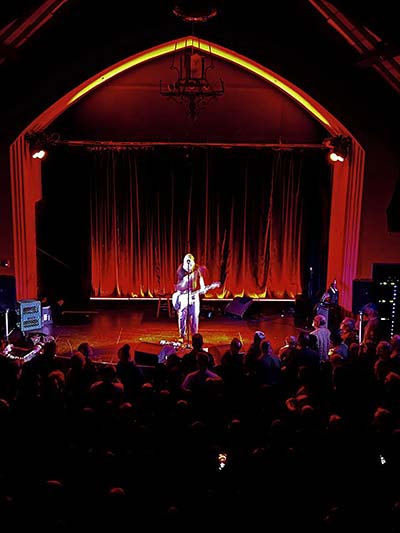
x=180, y=300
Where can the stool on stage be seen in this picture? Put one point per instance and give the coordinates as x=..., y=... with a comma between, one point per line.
x=164, y=303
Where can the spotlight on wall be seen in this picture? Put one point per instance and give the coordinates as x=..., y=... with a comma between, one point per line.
x=339, y=148
x=39, y=153
x=39, y=143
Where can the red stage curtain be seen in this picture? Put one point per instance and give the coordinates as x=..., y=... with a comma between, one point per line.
x=240, y=215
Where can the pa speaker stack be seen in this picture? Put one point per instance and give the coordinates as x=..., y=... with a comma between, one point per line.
x=8, y=298
x=387, y=286
x=363, y=293
x=303, y=314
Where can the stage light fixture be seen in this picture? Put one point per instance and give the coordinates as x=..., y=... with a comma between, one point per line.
x=339, y=148
x=39, y=143
x=39, y=153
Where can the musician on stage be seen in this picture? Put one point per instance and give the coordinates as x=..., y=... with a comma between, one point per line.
x=189, y=283
x=328, y=306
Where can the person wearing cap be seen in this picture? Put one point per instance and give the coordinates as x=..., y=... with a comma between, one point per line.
x=186, y=298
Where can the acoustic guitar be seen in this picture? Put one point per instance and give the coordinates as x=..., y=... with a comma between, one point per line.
x=181, y=299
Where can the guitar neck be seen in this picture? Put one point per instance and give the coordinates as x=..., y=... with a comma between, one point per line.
x=198, y=291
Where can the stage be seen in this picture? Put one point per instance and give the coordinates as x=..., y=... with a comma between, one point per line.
x=109, y=325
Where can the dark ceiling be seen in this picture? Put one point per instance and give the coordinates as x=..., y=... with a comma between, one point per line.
x=49, y=47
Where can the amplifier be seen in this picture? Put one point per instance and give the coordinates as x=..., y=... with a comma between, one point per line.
x=30, y=314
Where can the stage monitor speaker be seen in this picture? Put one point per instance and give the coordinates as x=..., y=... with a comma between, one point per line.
x=218, y=351
x=363, y=293
x=151, y=354
x=238, y=306
x=8, y=293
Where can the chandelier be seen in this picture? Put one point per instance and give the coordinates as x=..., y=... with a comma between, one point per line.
x=192, y=87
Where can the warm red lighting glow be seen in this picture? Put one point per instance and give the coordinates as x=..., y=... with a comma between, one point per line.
x=345, y=208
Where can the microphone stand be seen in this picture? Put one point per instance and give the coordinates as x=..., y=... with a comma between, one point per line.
x=187, y=307
x=7, y=328
x=360, y=325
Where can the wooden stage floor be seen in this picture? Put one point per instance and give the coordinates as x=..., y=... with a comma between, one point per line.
x=108, y=326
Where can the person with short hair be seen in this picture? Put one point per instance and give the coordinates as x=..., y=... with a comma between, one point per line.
x=189, y=359
x=323, y=336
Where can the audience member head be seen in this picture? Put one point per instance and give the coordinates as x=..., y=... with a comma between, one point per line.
x=197, y=341
x=347, y=325
x=56, y=379
x=108, y=373
x=336, y=360
x=77, y=360
x=370, y=311
x=304, y=339
x=383, y=350
x=335, y=423
x=392, y=384
x=291, y=341
x=86, y=349
x=395, y=342
x=354, y=348
x=265, y=347
x=319, y=321
x=124, y=353
x=258, y=337
x=382, y=420
x=236, y=345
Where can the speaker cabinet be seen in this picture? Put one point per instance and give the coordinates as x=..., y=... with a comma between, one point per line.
x=387, y=286
x=30, y=315
x=238, y=306
x=363, y=293
x=303, y=312
x=8, y=297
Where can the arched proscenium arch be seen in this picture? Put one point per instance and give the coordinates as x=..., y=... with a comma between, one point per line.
x=347, y=179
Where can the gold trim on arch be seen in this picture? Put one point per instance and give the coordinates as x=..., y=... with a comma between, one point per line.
x=204, y=46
